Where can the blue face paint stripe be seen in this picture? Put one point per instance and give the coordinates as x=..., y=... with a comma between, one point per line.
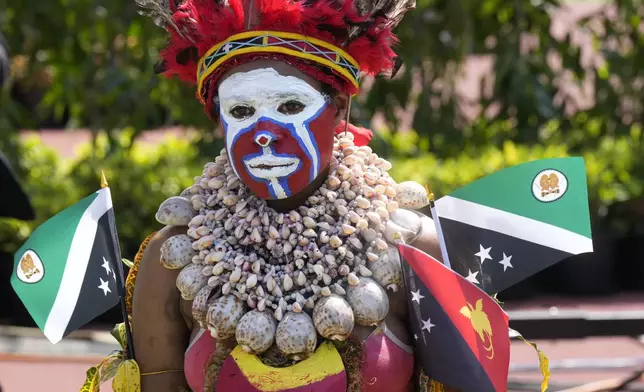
x=271, y=190
x=229, y=148
x=307, y=127
x=242, y=132
x=284, y=184
x=293, y=132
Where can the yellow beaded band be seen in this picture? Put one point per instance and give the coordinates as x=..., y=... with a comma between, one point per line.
x=162, y=372
x=296, y=45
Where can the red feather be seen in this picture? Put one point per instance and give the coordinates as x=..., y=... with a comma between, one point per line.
x=361, y=136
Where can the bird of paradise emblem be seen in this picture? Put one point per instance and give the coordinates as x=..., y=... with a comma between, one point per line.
x=549, y=184
x=481, y=324
x=28, y=266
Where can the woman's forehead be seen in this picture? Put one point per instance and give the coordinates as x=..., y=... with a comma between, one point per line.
x=264, y=82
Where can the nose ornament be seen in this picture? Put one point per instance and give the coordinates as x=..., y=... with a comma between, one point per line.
x=264, y=139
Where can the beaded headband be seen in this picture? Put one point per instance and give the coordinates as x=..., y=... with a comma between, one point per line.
x=296, y=45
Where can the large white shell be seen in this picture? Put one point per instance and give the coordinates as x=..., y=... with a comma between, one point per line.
x=255, y=332
x=190, y=281
x=410, y=194
x=405, y=222
x=387, y=270
x=369, y=302
x=224, y=315
x=177, y=251
x=333, y=318
x=175, y=211
x=296, y=336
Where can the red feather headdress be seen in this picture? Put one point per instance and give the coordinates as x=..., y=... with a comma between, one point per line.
x=334, y=41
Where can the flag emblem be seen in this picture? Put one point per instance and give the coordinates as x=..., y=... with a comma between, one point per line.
x=549, y=185
x=481, y=324
x=31, y=268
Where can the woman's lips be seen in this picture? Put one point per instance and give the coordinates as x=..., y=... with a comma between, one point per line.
x=270, y=166
x=266, y=167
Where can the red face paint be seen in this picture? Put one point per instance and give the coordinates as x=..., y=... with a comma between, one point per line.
x=277, y=159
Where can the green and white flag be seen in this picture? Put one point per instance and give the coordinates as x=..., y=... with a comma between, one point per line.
x=65, y=273
x=510, y=225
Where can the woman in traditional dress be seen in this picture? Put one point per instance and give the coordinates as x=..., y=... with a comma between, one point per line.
x=276, y=269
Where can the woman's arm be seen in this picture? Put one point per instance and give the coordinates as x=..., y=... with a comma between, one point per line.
x=159, y=331
x=427, y=241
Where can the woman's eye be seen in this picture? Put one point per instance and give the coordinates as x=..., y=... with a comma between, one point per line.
x=291, y=107
x=241, y=112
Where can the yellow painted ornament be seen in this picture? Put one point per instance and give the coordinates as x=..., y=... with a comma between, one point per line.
x=102, y=372
x=128, y=377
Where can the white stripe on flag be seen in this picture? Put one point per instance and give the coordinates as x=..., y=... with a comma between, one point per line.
x=75, y=267
x=513, y=225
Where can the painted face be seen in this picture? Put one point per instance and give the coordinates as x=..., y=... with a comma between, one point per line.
x=279, y=131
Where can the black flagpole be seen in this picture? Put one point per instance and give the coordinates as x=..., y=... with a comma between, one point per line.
x=120, y=283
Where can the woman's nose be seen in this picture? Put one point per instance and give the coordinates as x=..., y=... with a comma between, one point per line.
x=264, y=139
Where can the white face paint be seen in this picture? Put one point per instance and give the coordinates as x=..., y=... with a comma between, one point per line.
x=267, y=120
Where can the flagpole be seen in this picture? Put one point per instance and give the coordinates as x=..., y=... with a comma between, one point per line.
x=439, y=230
x=120, y=283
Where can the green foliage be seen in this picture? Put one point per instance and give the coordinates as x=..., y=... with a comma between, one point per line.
x=48, y=186
x=449, y=174
x=140, y=178
x=95, y=61
x=609, y=167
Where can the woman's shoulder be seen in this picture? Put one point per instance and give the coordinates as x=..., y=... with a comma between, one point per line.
x=163, y=235
x=149, y=267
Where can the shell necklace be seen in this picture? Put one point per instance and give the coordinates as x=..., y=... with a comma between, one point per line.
x=256, y=274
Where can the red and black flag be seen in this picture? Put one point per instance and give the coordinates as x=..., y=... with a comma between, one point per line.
x=461, y=334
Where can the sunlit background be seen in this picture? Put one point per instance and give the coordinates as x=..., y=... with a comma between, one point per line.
x=486, y=84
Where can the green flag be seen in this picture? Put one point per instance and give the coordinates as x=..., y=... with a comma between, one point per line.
x=65, y=273
x=509, y=225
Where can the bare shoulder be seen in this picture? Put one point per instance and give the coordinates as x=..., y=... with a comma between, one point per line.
x=161, y=236
x=155, y=284
x=160, y=332
x=427, y=241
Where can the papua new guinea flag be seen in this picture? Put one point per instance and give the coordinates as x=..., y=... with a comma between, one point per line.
x=461, y=334
x=64, y=274
x=509, y=225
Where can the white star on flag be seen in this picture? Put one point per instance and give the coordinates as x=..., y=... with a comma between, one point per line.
x=114, y=275
x=506, y=262
x=416, y=296
x=415, y=337
x=484, y=253
x=472, y=277
x=106, y=265
x=427, y=325
x=105, y=286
